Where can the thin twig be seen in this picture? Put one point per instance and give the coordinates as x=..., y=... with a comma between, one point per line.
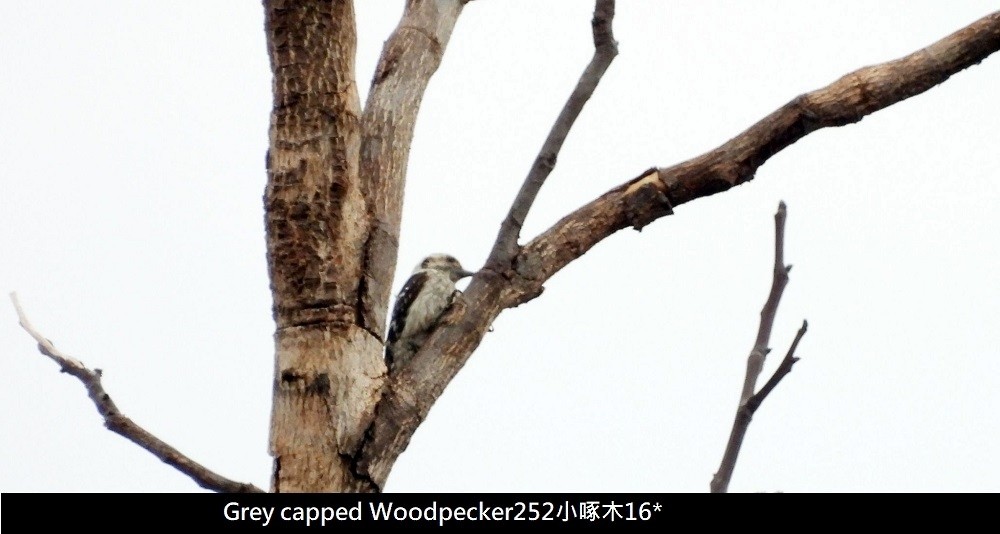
x=783, y=369
x=605, y=50
x=119, y=424
x=749, y=401
x=755, y=362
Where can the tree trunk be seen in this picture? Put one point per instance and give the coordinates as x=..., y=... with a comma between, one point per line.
x=334, y=202
x=328, y=370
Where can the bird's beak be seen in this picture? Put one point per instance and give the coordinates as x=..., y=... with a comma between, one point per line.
x=465, y=274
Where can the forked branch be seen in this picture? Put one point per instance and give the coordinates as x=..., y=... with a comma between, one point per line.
x=744, y=414
x=403, y=405
x=119, y=424
x=639, y=202
x=655, y=192
x=749, y=401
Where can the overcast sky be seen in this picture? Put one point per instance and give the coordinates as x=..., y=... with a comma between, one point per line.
x=131, y=225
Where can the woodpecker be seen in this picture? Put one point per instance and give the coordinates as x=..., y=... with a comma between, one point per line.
x=424, y=298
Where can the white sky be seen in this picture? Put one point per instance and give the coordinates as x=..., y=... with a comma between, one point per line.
x=132, y=168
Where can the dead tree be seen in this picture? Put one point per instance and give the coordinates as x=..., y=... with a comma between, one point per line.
x=336, y=175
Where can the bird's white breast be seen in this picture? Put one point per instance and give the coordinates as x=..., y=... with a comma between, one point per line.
x=430, y=302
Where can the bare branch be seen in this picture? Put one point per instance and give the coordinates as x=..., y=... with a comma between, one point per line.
x=783, y=369
x=749, y=402
x=760, y=350
x=640, y=201
x=119, y=424
x=744, y=414
x=656, y=191
x=409, y=59
x=399, y=407
x=605, y=50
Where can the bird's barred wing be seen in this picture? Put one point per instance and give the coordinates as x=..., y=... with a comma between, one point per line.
x=404, y=300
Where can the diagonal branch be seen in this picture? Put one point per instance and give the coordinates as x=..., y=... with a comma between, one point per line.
x=744, y=414
x=783, y=369
x=605, y=50
x=401, y=406
x=755, y=361
x=119, y=424
x=656, y=191
x=641, y=201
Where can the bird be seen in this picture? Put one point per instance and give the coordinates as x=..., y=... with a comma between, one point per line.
x=425, y=296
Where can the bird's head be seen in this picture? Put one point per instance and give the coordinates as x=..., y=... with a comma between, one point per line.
x=446, y=264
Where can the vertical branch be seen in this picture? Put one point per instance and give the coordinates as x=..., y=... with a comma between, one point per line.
x=749, y=402
x=755, y=362
x=411, y=55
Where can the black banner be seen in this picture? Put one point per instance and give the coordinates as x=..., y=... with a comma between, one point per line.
x=337, y=511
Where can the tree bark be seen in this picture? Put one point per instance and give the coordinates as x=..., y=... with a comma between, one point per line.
x=328, y=370
x=411, y=55
x=333, y=206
